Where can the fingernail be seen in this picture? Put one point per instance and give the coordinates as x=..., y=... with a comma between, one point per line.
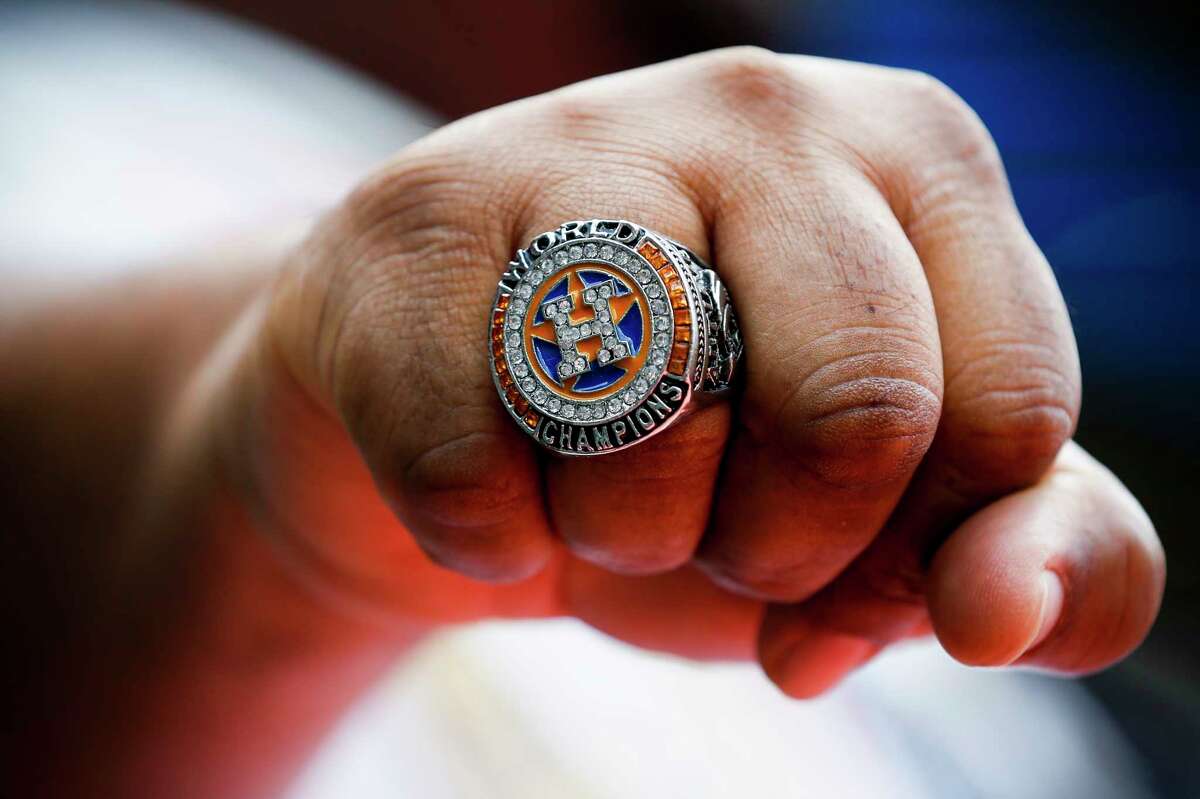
x=1052, y=603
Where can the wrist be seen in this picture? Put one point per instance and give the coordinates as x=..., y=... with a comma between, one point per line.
x=200, y=639
x=228, y=673
x=220, y=639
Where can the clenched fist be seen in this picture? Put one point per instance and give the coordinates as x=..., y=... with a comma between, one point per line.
x=896, y=459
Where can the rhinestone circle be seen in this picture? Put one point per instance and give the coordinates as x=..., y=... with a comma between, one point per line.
x=639, y=272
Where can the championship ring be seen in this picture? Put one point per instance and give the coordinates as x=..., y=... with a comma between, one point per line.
x=603, y=333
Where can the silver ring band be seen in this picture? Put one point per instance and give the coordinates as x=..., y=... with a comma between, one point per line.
x=603, y=333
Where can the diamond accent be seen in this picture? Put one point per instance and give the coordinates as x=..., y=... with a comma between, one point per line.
x=582, y=325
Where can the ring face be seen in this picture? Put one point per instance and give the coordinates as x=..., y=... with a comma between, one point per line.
x=594, y=333
x=586, y=334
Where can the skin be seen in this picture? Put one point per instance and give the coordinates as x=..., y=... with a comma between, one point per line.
x=312, y=470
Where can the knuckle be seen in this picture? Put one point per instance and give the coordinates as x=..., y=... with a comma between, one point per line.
x=421, y=212
x=465, y=483
x=458, y=499
x=1022, y=434
x=752, y=80
x=576, y=114
x=674, y=522
x=410, y=188
x=378, y=371
x=1012, y=447
x=398, y=295
x=860, y=421
x=938, y=101
x=407, y=244
x=953, y=127
x=1012, y=425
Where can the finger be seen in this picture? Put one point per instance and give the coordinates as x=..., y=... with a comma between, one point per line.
x=843, y=378
x=640, y=510
x=1067, y=575
x=843, y=374
x=380, y=321
x=663, y=489
x=1012, y=374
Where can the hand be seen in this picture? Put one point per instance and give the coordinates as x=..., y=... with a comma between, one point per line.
x=898, y=459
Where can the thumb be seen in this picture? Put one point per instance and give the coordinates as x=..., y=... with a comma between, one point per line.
x=1067, y=575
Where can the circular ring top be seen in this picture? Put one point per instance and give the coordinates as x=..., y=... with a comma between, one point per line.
x=593, y=336
x=586, y=333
